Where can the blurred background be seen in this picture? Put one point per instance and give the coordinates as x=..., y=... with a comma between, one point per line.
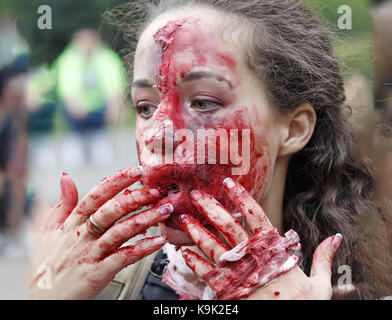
x=64, y=105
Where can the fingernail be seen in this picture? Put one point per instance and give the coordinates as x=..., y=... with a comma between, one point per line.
x=195, y=194
x=237, y=215
x=135, y=172
x=155, y=192
x=166, y=209
x=229, y=183
x=337, y=240
x=185, y=253
x=183, y=218
x=159, y=240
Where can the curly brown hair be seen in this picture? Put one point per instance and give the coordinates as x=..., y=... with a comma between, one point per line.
x=328, y=188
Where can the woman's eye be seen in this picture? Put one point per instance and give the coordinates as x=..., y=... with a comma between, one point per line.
x=204, y=106
x=146, y=111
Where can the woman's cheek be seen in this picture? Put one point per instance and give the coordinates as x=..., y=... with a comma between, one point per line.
x=138, y=139
x=248, y=149
x=260, y=172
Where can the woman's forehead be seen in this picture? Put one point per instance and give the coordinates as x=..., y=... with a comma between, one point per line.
x=208, y=17
x=194, y=32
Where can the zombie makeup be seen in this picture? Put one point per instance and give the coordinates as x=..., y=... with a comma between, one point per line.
x=198, y=132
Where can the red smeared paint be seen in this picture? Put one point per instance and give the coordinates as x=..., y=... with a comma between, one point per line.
x=257, y=230
x=193, y=259
x=205, y=177
x=95, y=196
x=263, y=258
x=165, y=35
x=135, y=225
x=106, y=189
x=232, y=231
x=190, y=225
x=226, y=59
x=167, y=77
x=138, y=198
x=252, y=212
x=173, y=41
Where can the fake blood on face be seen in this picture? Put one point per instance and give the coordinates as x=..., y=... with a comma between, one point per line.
x=176, y=179
x=167, y=72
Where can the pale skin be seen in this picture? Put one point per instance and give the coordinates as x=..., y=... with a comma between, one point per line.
x=286, y=134
x=82, y=265
x=78, y=264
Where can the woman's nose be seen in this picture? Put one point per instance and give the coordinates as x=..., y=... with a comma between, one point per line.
x=160, y=130
x=160, y=138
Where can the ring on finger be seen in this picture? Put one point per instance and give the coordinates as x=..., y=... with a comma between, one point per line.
x=93, y=228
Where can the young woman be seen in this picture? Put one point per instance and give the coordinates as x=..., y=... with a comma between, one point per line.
x=260, y=74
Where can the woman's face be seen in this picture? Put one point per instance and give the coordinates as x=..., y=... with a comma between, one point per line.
x=191, y=86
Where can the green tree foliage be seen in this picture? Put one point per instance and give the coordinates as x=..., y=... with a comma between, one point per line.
x=67, y=17
x=354, y=47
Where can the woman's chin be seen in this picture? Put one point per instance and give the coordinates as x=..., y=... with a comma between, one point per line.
x=175, y=236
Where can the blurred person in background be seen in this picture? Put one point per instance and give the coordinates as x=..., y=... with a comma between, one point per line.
x=41, y=104
x=41, y=100
x=13, y=137
x=90, y=82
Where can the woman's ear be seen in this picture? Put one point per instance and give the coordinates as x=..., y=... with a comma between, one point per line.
x=298, y=127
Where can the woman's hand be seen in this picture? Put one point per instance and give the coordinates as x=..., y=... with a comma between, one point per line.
x=73, y=259
x=293, y=284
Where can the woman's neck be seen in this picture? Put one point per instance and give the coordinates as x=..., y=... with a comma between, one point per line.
x=272, y=202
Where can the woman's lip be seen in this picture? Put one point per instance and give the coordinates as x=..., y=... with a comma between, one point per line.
x=175, y=183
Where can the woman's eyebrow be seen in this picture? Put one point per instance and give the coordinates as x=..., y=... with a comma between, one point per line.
x=197, y=75
x=142, y=83
x=190, y=76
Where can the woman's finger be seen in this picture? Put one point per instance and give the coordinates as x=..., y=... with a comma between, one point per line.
x=121, y=232
x=222, y=220
x=68, y=198
x=253, y=214
x=68, y=201
x=103, y=191
x=212, y=247
x=199, y=265
x=322, y=260
x=123, y=204
x=125, y=256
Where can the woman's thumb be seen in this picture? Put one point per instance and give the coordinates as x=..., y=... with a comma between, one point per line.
x=68, y=196
x=323, y=257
